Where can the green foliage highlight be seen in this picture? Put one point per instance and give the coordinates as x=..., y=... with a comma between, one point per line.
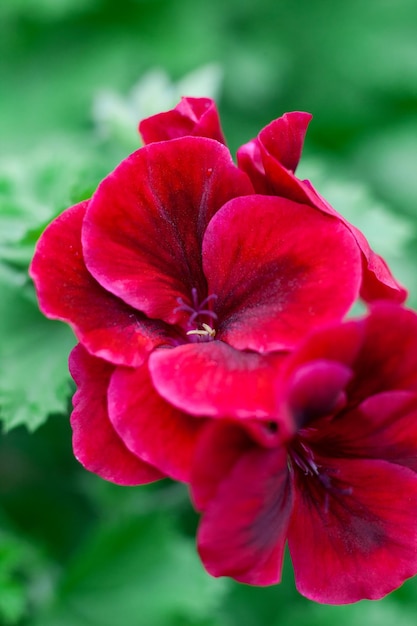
x=135, y=570
x=34, y=379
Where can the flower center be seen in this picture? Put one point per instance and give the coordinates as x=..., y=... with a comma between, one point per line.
x=301, y=456
x=201, y=320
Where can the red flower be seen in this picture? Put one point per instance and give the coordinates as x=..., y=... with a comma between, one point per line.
x=332, y=470
x=175, y=251
x=270, y=160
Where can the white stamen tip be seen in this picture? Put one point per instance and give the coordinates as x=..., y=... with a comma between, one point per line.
x=206, y=331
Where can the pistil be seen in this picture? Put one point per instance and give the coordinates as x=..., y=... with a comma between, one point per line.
x=202, y=317
x=301, y=456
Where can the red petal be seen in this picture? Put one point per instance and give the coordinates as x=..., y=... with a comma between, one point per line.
x=249, y=159
x=219, y=447
x=388, y=356
x=378, y=282
x=284, y=138
x=380, y=349
x=215, y=380
x=338, y=342
x=347, y=547
x=143, y=228
x=279, y=269
x=151, y=428
x=95, y=442
x=192, y=116
x=316, y=390
x=271, y=158
x=243, y=530
x=270, y=161
x=383, y=427
x=66, y=291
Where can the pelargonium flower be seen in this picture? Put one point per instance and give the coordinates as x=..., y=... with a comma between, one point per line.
x=270, y=160
x=332, y=470
x=175, y=255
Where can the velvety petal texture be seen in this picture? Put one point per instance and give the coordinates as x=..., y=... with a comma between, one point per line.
x=150, y=214
x=192, y=116
x=278, y=269
x=104, y=324
x=152, y=429
x=270, y=161
x=381, y=350
x=95, y=442
x=382, y=426
x=362, y=532
x=342, y=489
x=272, y=158
x=248, y=542
x=212, y=379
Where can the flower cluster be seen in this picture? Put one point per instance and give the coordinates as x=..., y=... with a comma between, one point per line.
x=208, y=300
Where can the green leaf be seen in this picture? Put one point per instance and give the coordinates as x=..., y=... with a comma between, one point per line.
x=136, y=571
x=34, y=379
x=21, y=568
x=116, y=116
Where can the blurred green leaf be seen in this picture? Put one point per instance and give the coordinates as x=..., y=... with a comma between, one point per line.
x=388, y=158
x=33, y=190
x=116, y=116
x=22, y=568
x=12, y=592
x=134, y=572
x=34, y=379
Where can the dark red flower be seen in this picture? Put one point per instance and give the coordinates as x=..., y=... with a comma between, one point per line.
x=174, y=255
x=331, y=470
x=270, y=160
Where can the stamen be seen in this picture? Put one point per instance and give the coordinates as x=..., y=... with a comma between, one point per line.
x=199, y=311
x=206, y=331
x=301, y=455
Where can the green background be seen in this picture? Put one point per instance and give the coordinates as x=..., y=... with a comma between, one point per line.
x=75, y=78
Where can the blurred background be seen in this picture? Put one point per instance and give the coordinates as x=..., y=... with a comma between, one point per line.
x=75, y=78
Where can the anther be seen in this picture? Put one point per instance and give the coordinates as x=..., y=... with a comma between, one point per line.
x=206, y=331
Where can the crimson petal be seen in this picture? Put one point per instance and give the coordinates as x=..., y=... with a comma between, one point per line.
x=277, y=147
x=192, y=116
x=219, y=447
x=150, y=214
x=215, y=380
x=358, y=538
x=243, y=530
x=270, y=162
x=383, y=427
x=388, y=356
x=317, y=389
x=95, y=442
x=151, y=428
x=279, y=269
x=105, y=325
